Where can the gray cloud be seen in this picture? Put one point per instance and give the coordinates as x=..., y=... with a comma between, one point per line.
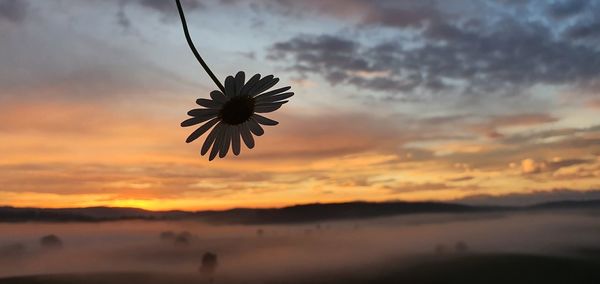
x=51, y=62
x=399, y=13
x=122, y=18
x=403, y=13
x=563, y=9
x=468, y=55
x=585, y=29
x=13, y=10
x=512, y=57
x=168, y=7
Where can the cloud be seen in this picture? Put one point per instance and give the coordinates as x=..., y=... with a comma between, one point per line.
x=459, y=179
x=593, y=103
x=54, y=118
x=333, y=134
x=552, y=148
x=563, y=9
x=531, y=166
x=13, y=10
x=501, y=55
x=508, y=59
x=490, y=127
x=401, y=13
x=413, y=187
x=122, y=18
x=523, y=119
x=578, y=172
x=342, y=9
x=75, y=66
x=585, y=29
x=556, y=134
x=168, y=7
x=123, y=179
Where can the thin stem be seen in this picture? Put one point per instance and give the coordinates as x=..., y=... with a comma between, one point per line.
x=191, y=44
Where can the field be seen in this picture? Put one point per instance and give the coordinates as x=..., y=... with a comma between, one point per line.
x=541, y=247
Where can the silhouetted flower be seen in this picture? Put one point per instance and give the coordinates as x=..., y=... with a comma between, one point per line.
x=235, y=113
x=233, y=110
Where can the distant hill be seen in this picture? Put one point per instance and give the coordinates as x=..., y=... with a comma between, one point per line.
x=332, y=211
x=568, y=204
x=530, y=198
x=292, y=214
x=90, y=214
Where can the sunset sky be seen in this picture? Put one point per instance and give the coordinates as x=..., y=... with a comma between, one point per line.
x=395, y=100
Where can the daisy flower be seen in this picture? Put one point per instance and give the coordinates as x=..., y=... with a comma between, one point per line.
x=234, y=114
x=232, y=111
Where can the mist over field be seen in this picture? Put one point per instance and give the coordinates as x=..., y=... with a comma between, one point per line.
x=271, y=252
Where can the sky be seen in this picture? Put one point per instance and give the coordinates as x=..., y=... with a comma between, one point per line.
x=394, y=100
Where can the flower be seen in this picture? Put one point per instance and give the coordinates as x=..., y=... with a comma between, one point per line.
x=234, y=113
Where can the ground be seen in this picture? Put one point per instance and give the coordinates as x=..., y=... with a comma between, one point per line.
x=464, y=269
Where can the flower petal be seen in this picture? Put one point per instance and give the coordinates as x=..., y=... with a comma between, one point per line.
x=263, y=120
x=254, y=127
x=235, y=140
x=229, y=86
x=274, y=98
x=218, y=141
x=265, y=86
x=240, y=77
x=218, y=97
x=203, y=112
x=250, y=84
x=208, y=103
x=270, y=104
x=198, y=132
x=247, y=136
x=195, y=120
x=267, y=108
x=268, y=80
x=226, y=142
x=210, y=139
x=273, y=92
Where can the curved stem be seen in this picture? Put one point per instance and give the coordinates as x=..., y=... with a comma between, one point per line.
x=191, y=44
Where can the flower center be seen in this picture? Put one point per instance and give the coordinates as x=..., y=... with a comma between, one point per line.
x=237, y=110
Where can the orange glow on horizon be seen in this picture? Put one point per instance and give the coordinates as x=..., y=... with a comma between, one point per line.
x=126, y=159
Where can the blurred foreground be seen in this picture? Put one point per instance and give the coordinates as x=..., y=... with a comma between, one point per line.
x=541, y=247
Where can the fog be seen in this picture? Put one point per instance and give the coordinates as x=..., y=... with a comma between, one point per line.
x=272, y=251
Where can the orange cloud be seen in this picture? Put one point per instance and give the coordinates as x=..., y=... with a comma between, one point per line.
x=87, y=154
x=530, y=166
